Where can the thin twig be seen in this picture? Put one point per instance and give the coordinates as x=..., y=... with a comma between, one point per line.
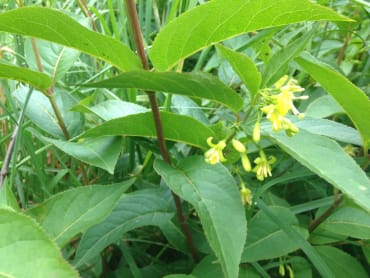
x=13, y=139
x=315, y=223
x=138, y=39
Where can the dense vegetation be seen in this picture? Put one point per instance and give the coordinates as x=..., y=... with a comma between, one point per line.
x=185, y=138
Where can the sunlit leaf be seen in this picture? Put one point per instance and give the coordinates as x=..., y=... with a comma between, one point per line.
x=219, y=20
x=55, y=26
x=25, y=249
x=35, y=79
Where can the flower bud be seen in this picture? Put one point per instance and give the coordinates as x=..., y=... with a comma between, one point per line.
x=238, y=146
x=245, y=162
x=257, y=132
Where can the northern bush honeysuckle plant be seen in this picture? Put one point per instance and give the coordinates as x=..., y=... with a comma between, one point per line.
x=167, y=139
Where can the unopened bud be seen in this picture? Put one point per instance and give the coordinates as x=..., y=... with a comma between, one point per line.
x=238, y=146
x=257, y=132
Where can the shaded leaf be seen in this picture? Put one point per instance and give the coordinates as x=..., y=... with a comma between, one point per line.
x=244, y=67
x=177, y=128
x=352, y=222
x=323, y=107
x=55, y=59
x=99, y=152
x=266, y=240
x=35, y=79
x=327, y=159
x=213, y=192
x=191, y=84
x=55, y=26
x=41, y=113
x=219, y=20
x=24, y=249
x=7, y=197
x=74, y=211
x=278, y=63
x=138, y=209
x=341, y=264
x=113, y=109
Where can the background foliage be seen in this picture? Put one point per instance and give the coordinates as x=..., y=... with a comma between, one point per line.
x=87, y=186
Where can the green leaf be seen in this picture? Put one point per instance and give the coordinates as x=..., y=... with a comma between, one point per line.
x=219, y=20
x=41, y=113
x=74, y=211
x=55, y=26
x=7, y=198
x=244, y=67
x=327, y=159
x=35, y=79
x=192, y=84
x=335, y=130
x=353, y=101
x=266, y=240
x=176, y=128
x=138, y=209
x=322, y=107
x=55, y=59
x=340, y=263
x=113, y=109
x=276, y=66
x=352, y=222
x=295, y=236
x=99, y=152
x=25, y=249
x=213, y=192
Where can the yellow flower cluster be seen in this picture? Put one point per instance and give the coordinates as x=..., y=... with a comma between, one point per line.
x=277, y=106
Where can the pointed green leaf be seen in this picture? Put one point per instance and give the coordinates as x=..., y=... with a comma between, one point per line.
x=352, y=222
x=341, y=264
x=278, y=63
x=138, y=209
x=266, y=240
x=213, y=192
x=244, y=67
x=55, y=26
x=35, y=79
x=192, y=84
x=177, y=128
x=219, y=20
x=74, y=211
x=7, y=198
x=353, y=101
x=25, y=249
x=327, y=159
x=99, y=152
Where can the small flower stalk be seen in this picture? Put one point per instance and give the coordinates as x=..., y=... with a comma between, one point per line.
x=278, y=105
x=263, y=166
x=214, y=155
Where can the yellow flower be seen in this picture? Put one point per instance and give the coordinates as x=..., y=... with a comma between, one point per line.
x=246, y=195
x=263, y=166
x=238, y=146
x=273, y=115
x=214, y=154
